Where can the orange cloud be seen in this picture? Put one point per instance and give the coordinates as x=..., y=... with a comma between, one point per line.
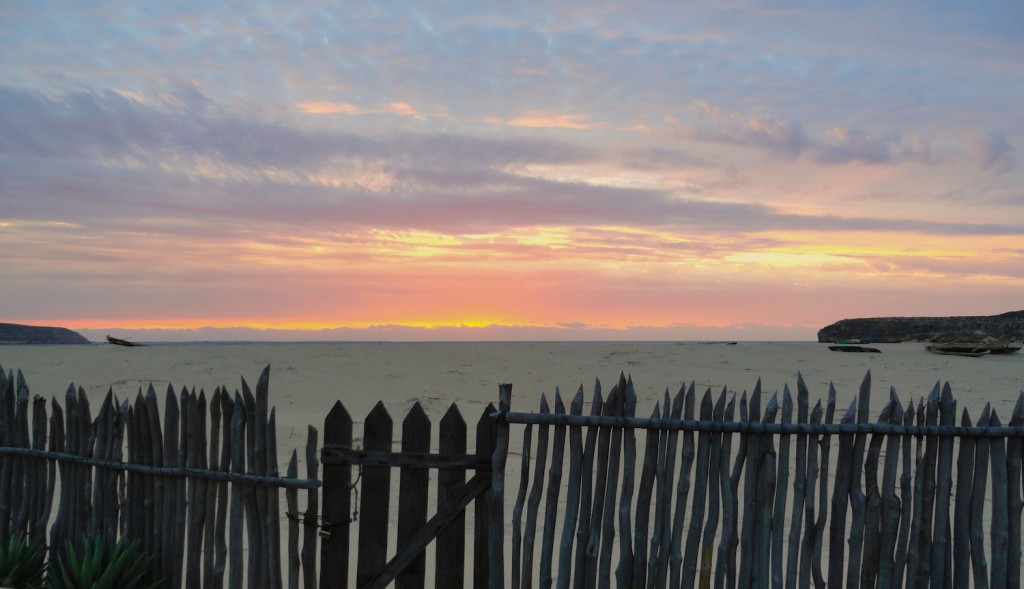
x=321, y=107
x=328, y=108
x=547, y=120
x=401, y=108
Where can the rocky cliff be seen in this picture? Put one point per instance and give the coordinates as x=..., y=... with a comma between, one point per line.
x=12, y=333
x=900, y=329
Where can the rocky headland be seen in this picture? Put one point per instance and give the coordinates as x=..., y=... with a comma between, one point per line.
x=901, y=329
x=13, y=333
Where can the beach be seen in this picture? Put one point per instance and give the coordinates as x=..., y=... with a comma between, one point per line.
x=306, y=379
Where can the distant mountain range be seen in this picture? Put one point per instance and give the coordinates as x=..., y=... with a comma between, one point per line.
x=13, y=333
x=901, y=329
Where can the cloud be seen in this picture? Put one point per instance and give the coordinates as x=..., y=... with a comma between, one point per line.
x=1009, y=266
x=994, y=152
x=107, y=124
x=783, y=138
x=328, y=108
x=548, y=120
x=89, y=124
x=332, y=108
x=126, y=159
x=473, y=199
x=786, y=139
x=853, y=145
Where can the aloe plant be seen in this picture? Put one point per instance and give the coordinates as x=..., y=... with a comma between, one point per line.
x=22, y=562
x=101, y=565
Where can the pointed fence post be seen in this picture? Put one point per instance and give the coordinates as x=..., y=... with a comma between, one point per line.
x=312, y=518
x=586, y=491
x=940, y=568
x=889, y=527
x=981, y=458
x=572, y=503
x=999, y=530
x=799, y=485
x=533, y=505
x=1014, y=500
x=451, y=542
x=235, y=534
x=7, y=439
x=551, y=503
x=625, y=570
x=334, y=549
x=486, y=438
x=374, y=498
x=713, y=479
x=496, y=496
x=412, y=495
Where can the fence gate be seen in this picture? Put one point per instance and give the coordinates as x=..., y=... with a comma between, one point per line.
x=363, y=501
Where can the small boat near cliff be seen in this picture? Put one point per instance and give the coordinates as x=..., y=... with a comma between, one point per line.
x=975, y=348
x=122, y=342
x=847, y=348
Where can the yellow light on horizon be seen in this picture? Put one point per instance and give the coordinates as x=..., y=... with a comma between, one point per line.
x=786, y=259
x=289, y=325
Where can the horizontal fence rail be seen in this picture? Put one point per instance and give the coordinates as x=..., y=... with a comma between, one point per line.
x=180, y=472
x=332, y=454
x=563, y=419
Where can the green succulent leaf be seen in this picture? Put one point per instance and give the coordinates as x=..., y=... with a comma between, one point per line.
x=22, y=562
x=102, y=565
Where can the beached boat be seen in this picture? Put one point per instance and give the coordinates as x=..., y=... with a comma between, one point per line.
x=957, y=349
x=122, y=342
x=854, y=349
x=975, y=348
x=1006, y=347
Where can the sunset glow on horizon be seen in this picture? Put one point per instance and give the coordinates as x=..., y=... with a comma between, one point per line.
x=386, y=171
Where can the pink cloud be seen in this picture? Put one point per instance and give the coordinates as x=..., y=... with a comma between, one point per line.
x=320, y=107
x=549, y=120
x=315, y=107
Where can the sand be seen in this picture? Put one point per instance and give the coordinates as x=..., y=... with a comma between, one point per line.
x=306, y=379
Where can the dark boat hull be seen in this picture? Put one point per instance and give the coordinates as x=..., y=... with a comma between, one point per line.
x=854, y=349
x=122, y=342
x=975, y=348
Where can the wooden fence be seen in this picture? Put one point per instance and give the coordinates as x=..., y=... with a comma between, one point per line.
x=737, y=507
x=199, y=490
x=726, y=495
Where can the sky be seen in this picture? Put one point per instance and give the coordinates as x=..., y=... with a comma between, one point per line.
x=531, y=170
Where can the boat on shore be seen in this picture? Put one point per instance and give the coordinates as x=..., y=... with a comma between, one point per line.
x=122, y=342
x=975, y=348
x=847, y=348
x=1007, y=348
